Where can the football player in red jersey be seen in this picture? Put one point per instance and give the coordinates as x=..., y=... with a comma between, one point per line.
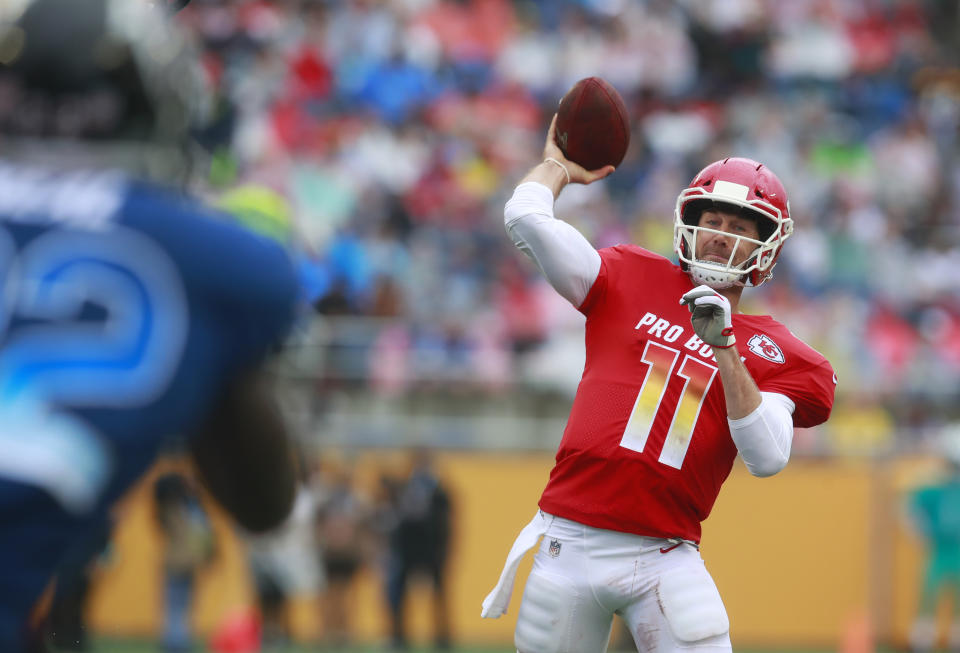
x=676, y=384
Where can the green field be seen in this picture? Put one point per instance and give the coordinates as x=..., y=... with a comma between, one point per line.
x=130, y=646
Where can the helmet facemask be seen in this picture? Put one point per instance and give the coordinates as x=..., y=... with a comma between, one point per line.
x=756, y=268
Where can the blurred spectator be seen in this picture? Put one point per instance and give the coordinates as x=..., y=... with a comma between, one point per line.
x=935, y=509
x=284, y=565
x=188, y=546
x=863, y=427
x=345, y=545
x=420, y=544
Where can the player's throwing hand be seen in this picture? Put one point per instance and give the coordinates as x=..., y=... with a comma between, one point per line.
x=576, y=174
x=710, y=316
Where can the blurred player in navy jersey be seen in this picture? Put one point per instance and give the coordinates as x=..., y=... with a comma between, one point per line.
x=130, y=312
x=676, y=384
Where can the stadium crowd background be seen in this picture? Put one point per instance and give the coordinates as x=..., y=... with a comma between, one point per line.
x=396, y=129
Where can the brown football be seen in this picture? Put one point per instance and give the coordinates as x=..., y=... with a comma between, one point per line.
x=592, y=125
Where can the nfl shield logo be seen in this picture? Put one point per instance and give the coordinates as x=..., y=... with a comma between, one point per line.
x=554, y=549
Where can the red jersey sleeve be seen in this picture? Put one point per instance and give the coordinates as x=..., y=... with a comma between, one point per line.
x=599, y=286
x=812, y=392
x=807, y=378
x=639, y=261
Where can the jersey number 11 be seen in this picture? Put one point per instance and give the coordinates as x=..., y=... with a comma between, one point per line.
x=697, y=377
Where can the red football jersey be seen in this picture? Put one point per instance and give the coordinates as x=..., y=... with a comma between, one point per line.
x=647, y=445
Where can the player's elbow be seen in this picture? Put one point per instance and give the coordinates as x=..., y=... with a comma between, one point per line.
x=768, y=466
x=764, y=437
x=766, y=456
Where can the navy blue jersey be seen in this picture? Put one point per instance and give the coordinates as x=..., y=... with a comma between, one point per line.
x=125, y=308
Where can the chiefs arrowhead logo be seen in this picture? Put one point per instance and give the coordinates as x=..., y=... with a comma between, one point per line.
x=764, y=347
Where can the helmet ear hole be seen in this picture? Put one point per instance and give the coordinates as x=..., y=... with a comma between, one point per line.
x=765, y=228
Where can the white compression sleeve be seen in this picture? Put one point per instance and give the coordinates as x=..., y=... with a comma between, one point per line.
x=566, y=258
x=764, y=436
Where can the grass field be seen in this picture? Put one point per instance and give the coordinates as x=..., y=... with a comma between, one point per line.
x=129, y=646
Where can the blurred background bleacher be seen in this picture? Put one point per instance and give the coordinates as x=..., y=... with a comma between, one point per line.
x=396, y=130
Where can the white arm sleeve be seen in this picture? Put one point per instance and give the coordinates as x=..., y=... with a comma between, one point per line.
x=764, y=436
x=566, y=258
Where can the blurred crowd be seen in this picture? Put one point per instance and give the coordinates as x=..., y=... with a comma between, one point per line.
x=401, y=529
x=396, y=526
x=396, y=129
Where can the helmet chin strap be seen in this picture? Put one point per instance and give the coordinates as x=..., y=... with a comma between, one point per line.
x=712, y=278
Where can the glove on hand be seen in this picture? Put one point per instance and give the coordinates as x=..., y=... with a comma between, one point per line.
x=710, y=316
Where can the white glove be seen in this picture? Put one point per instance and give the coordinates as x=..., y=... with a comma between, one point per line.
x=710, y=316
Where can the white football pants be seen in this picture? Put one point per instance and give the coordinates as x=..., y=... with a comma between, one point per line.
x=582, y=576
